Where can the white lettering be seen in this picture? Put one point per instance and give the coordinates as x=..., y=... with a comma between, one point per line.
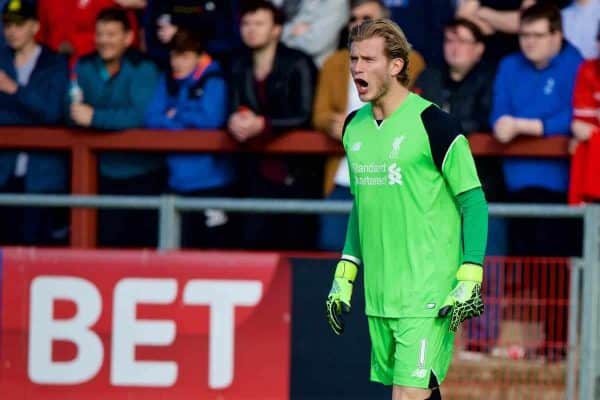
x=222, y=296
x=129, y=332
x=43, y=330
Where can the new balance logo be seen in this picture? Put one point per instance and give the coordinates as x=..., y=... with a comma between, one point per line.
x=394, y=175
x=419, y=373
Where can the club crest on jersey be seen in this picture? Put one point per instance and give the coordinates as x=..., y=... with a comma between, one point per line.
x=356, y=146
x=396, y=146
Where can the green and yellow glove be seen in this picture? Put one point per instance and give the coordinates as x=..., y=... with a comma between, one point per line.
x=465, y=300
x=338, y=301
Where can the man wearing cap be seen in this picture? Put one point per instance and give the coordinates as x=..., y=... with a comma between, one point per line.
x=33, y=80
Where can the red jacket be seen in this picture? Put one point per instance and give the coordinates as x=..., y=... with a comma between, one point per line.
x=585, y=164
x=586, y=97
x=74, y=22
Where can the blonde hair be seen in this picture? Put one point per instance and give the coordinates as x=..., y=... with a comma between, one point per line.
x=396, y=45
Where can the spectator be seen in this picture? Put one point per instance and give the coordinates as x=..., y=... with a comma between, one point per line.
x=580, y=21
x=33, y=81
x=217, y=21
x=532, y=95
x=585, y=168
x=195, y=97
x=463, y=87
x=70, y=27
x=423, y=22
x=336, y=97
x=315, y=27
x=116, y=84
x=273, y=89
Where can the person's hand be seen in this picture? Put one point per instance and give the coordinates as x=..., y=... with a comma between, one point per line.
x=245, y=125
x=505, y=129
x=573, y=143
x=7, y=85
x=82, y=114
x=132, y=3
x=582, y=130
x=340, y=295
x=465, y=300
x=472, y=11
x=527, y=3
x=336, y=125
x=468, y=9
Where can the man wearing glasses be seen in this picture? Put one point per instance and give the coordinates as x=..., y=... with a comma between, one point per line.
x=532, y=98
x=336, y=97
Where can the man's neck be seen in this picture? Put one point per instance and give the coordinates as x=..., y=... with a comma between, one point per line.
x=582, y=2
x=458, y=74
x=23, y=54
x=388, y=103
x=543, y=64
x=263, y=60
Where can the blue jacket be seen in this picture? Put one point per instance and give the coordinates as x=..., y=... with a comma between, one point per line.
x=119, y=103
x=522, y=91
x=37, y=103
x=200, y=102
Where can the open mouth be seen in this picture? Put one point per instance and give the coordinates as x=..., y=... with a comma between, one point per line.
x=361, y=86
x=361, y=83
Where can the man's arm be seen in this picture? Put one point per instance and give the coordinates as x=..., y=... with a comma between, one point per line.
x=208, y=111
x=303, y=79
x=141, y=89
x=586, y=116
x=351, y=251
x=322, y=30
x=501, y=104
x=474, y=211
x=45, y=104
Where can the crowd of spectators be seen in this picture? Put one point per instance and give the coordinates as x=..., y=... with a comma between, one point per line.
x=259, y=68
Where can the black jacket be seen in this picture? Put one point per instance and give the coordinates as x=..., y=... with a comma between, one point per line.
x=469, y=100
x=290, y=89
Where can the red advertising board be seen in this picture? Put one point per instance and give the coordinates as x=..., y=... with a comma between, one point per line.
x=127, y=325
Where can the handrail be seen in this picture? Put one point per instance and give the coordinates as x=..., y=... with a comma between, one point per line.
x=83, y=145
x=298, y=141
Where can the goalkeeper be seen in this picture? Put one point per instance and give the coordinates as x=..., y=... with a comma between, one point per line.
x=418, y=226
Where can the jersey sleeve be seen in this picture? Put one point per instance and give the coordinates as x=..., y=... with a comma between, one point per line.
x=458, y=167
x=584, y=103
x=349, y=119
x=450, y=150
x=352, y=251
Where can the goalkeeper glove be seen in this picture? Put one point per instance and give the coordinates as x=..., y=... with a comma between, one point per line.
x=338, y=301
x=465, y=300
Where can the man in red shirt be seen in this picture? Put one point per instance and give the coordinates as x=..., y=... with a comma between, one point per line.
x=585, y=165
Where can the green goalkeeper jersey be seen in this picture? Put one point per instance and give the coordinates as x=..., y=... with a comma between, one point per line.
x=405, y=174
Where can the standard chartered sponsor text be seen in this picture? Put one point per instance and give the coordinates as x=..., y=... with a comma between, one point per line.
x=369, y=168
x=371, y=180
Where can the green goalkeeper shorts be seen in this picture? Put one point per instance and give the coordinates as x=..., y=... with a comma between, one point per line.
x=411, y=352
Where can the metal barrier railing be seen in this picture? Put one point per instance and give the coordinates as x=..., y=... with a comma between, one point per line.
x=169, y=208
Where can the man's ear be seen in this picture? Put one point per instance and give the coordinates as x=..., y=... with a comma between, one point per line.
x=129, y=37
x=397, y=66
